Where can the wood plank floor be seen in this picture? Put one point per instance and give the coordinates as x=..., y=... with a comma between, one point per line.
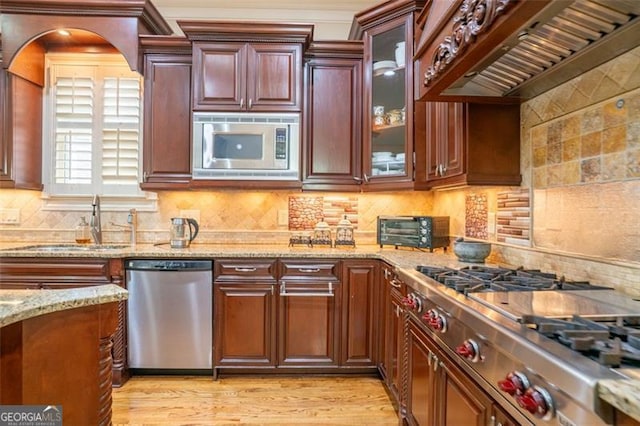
x=321, y=400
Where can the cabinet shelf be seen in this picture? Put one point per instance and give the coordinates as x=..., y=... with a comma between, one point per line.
x=378, y=129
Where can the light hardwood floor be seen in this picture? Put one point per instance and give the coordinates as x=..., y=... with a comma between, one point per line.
x=315, y=400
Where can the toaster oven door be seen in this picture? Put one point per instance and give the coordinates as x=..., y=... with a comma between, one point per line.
x=400, y=232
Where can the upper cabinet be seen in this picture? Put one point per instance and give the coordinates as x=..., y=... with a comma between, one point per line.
x=456, y=144
x=242, y=66
x=477, y=51
x=247, y=77
x=167, y=113
x=387, y=149
x=333, y=117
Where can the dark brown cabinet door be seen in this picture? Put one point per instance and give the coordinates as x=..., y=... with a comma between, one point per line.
x=274, y=77
x=247, y=77
x=244, y=310
x=359, y=320
x=167, y=122
x=456, y=144
x=394, y=336
x=244, y=324
x=22, y=141
x=462, y=400
x=309, y=323
x=333, y=118
x=4, y=147
x=423, y=394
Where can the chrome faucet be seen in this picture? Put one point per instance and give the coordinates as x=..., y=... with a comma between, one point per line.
x=132, y=225
x=94, y=223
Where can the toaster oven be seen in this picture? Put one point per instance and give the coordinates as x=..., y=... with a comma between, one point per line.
x=414, y=231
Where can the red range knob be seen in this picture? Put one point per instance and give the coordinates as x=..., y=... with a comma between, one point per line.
x=470, y=350
x=515, y=383
x=438, y=323
x=536, y=401
x=408, y=302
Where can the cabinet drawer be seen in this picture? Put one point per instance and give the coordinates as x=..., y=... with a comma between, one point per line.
x=312, y=269
x=57, y=271
x=243, y=269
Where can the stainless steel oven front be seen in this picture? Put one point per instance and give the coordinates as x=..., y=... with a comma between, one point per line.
x=246, y=146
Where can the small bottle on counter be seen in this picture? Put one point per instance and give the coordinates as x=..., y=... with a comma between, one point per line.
x=83, y=234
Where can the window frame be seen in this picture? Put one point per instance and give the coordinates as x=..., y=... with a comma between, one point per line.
x=67, y=196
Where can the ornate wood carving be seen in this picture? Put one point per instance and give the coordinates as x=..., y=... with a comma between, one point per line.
x=473, y=18
x=105, y=378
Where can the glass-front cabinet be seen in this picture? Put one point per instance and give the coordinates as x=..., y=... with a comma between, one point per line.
x=387, y=32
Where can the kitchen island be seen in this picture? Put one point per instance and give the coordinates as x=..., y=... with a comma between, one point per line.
x=55, y=350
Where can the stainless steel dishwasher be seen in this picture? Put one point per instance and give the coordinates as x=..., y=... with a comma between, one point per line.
x=169, y=322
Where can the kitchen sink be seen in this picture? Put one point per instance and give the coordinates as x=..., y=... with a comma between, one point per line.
x=69, y=247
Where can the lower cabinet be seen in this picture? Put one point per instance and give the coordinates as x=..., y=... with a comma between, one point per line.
x=439, y=393
x=393, y=290
x=359, y=313
x=244, y=313
x=316, y=314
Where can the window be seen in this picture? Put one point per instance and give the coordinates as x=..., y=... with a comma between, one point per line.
x=93, y=122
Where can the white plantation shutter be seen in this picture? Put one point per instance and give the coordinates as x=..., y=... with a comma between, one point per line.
x=95, y=126
x=121, y=131
x=73, y=130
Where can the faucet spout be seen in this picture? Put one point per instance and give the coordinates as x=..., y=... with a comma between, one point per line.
x=132, y=225
x=94, y=223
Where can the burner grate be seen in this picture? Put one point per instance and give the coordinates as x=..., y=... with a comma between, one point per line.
x=483, y=279
x=613, y=344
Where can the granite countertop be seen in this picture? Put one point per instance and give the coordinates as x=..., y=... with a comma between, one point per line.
x=622, y=394
x=19, y=305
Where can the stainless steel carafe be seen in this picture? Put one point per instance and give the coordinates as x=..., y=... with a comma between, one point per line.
x=183, y=231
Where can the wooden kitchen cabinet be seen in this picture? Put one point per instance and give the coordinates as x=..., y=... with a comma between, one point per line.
x=333, y=117
x=256, y=77
x=309, y=316
x=244, y=313
x=439, y=392
x=59, y=273
x=359, y=319
x=167, y=113
x=393, y=334
x=388, y=32
x=21, y=165
x=247, y=66
x=466, y=144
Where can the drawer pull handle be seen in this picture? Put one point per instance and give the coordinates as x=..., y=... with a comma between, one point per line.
x=239, y=269
x=283, y=292
x=309, y=270
x=395, y=283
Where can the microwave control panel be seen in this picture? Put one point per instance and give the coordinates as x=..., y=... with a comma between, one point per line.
x=281, y=143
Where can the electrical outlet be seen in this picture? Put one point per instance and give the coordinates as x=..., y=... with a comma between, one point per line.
x=283, y=217
x=193, y=214
x=10, y=216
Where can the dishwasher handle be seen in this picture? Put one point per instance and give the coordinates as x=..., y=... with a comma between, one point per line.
x=168, y=265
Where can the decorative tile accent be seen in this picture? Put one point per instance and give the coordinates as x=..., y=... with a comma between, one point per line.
x=476, y=216
x=305, y=212
x=514, y=217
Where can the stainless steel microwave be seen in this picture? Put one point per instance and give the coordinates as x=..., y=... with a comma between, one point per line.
x=246, y=146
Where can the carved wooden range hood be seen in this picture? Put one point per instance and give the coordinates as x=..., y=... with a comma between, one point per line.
x=515, y=50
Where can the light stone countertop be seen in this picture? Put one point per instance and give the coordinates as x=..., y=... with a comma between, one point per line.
x=622, y=394
x=20, y=305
